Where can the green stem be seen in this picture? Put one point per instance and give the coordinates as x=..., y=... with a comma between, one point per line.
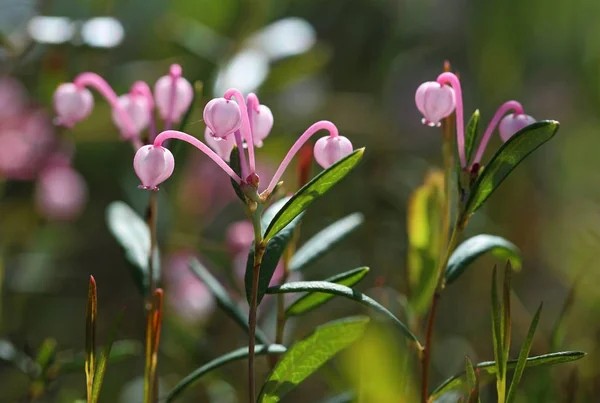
x=259, y=250
x=152, y=218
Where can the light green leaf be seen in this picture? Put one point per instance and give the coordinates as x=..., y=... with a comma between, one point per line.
x=471, y=134
x=239, y=354
x=224, y=300
x=343, y=291
x=324, y=241
x=313, y=300
x=313, y=190
x=521, y=362
x=468, y=251
x=489, y=367
x=307, y=356
x=515, y=150
x=104, y=358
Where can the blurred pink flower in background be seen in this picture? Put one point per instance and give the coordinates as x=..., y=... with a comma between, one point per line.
x=186, y=294
x=61, y=193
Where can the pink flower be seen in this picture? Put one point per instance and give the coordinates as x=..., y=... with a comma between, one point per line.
x=262, y=123
x=72, y=104
x=512, y=123
x=153, y=165
x=435, y=102
x=137, y=108
x=61, y=193
x=222, y=116
x=173, y=95
x=221, y=145
x=329, y=150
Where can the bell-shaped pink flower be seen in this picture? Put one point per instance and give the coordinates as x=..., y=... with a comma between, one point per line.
x=61, y=193
x=512, y=123
x=136, y=106
x=222, y=116
x=173, y=96
x=262, y=123
x=153, y=165
x=221, y=145
x=435, y=102
x=330, y=149
x=72, y=104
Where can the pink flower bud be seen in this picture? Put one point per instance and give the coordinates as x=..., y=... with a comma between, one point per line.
x=435, y=102
x=262, y=123
x=137, y=108
x=153, y=165
x=72, y=104
x=61, y=193
x=512, y=123
x=222, y=116
x=173, y=96
x=329, y=150
x=221, y=145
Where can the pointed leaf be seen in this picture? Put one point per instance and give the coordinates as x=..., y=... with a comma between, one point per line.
x=489, y=367
x=307, y=356
x=468, y=251
x=471, y=134
x=103, y=360
x=515, y=150
x=224, y=300
x=312, y=190
x=470, y=374
x=521, y=362
x=90, y=335
x=239, y=354
x=313, y=300
x=324, y=241
x=343, y=291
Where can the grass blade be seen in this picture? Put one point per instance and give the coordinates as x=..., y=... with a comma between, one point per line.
x=90, y=337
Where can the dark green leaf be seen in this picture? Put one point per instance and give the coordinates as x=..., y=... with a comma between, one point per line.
x=307, y=356
x=104, y=358
x=313, y=190
x=489, y=367
x=132, y=233
x=521, y=362
x=236, y=165
x=497, y=326
x=313, y=300
x=273, y=251
x=515, y=150
x=239, y=354
x=342, y=291
x=324, y=241
x=476, y=246
x=471, y=134
x=224, y=300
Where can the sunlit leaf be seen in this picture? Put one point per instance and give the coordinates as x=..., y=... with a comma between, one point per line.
x=239, y=354
x=471, y=134
x=342, y=291
x=324, y=241
x=313, y=300
x=307, y=356
x=515, y=150
x=468, y=251
x=314, y=189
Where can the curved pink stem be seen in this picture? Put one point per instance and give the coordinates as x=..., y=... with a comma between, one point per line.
x=246, y=129
x=240, y=146
x=450, y=78
x=175, y=73
x=175, y=134
x=504, y=108
x=141, y=88
x=252, y=103
x=320, y=125
x=99, y=84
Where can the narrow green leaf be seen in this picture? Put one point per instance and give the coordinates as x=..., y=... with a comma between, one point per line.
x=236, y=165
x=470, y=374
x=342, y=291
x=496, y=327
x=521, y=362
x=314, y=300
x=69, y=362
x=468, y=251
x=273, y=251
x=224, y=300
x=239, y=354
x=104, y=357
x=506, y=318
x=324, y=241
x=313, y=190
x=515, y=150
x=489, y=367
x=308, y=355
x=90, y=335
x=132, y=233
x=471, y=134
x=46, y=354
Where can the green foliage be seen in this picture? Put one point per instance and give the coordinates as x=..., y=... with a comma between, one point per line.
x=236, y=165
x=307, y=356
x=314, y=300
x=471, y=134
x=104, y=359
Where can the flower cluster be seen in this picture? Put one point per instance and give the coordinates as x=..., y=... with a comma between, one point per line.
x=436, y=100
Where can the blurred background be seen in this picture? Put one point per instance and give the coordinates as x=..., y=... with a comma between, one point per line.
x=354, y=62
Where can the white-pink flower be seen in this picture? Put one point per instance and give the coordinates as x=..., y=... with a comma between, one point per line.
x=435, y=102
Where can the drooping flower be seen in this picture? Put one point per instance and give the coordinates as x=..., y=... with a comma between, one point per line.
x=328, y=150
x=136, y=107
x=173, y=95
x=512, y=123
x=153, y=165
x=221, y=145
x=435, y=101
x=222, y=116
x=261, y=120
x=72, y=104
